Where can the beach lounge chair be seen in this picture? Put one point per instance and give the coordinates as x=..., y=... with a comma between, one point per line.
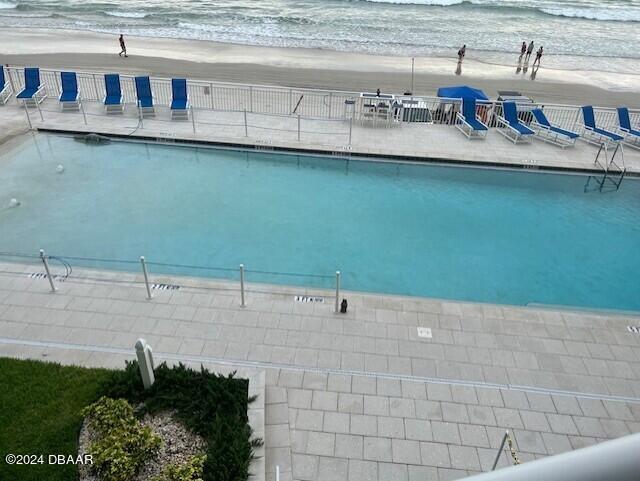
x=631, y=135
x=510, y=126
x=113, y=94
x=180, y=99
x=594, y=135
x=145, y=98
x=33, y=92
x=468, y=123
x=5, y=87
x=547, y=132
x=70, y=95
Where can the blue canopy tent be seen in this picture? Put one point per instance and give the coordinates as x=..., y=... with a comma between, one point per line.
x=462, y=92
x=446, y=113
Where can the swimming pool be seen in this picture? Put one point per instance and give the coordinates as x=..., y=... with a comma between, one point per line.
x=422, y=230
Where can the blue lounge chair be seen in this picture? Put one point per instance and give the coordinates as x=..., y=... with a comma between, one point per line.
x=468, y=123
x=547, y=132
x=5, y=88
x=180, y=99
x=113, y=94
x=631, y=135
x=33, y=92
x=510, y=126
x=70, y=95
x=145, y=97
x=594, y=135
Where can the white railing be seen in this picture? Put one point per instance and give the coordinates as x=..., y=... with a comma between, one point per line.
x=156, y=276
x=308, y=103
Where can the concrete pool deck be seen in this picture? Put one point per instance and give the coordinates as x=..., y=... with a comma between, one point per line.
x=356, y=396
x=409, y=141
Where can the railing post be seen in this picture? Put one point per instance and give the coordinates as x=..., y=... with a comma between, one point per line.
x=246, y=127
x=84, y=115
x=298, y=127
x=39, y=111
x=26, y=111
x=146, y=276
x=95, y=86
x=46, y=269
x=337, y=291
x=193, y=118
x=251, y=98
x=330, y=102
x=504, y=440
x=350, y=128
x=140, y=116
x=242, y=303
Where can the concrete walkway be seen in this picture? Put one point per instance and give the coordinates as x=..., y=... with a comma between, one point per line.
x=412, y=141
x=359, y=396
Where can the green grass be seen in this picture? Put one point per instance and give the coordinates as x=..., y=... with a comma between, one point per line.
x=40, y=406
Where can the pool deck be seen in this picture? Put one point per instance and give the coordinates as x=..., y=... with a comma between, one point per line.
x=410, y=142
x=356, y=396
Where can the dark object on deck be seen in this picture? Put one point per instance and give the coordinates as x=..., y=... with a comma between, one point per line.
x=343, y=306
x=93, y=139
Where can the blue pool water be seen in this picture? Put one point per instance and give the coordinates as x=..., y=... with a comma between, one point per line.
x=445, y=232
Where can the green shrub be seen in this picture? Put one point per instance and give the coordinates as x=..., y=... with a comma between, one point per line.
x=211, y=405
x=123, y=444
x=189, y=471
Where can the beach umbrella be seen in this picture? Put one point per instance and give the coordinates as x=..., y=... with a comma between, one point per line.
x=462, y=92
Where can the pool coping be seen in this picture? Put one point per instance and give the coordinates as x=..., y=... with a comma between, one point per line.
x=342, y=154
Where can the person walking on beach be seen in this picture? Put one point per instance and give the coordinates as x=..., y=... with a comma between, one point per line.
x=529, y=51
x=123, y=47
x=538, y=56
x=461, y=53
x=523, y=50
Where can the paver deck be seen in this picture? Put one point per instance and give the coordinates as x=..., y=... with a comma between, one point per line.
x=356, y=396
x=412, y=141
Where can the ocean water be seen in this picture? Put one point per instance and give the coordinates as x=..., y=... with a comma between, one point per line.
x=445, y=232
x=576, y=34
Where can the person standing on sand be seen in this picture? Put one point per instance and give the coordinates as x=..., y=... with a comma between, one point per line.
x=123, y=47
x=538, y=56
x=523, y=50
x=529, y=51
x=461, y=53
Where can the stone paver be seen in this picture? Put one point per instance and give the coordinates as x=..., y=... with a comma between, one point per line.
x=366, y=422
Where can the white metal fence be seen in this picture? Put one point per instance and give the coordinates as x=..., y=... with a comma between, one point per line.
x=310, y=103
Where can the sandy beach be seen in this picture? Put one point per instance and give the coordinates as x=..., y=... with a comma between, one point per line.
x=300, y=67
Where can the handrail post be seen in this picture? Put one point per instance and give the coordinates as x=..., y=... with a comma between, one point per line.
x=504, y=440
x=298, y=127
x=330, y=102
x=140, y=116
x=350, y=128
x=84, y=115
x=337, y=291
x=246, y=127
x=146, y=276
x=39, y=110
x=242, y=303
x=193, y=118
x=251, y=98
x=46, y=268
x=26, y=110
